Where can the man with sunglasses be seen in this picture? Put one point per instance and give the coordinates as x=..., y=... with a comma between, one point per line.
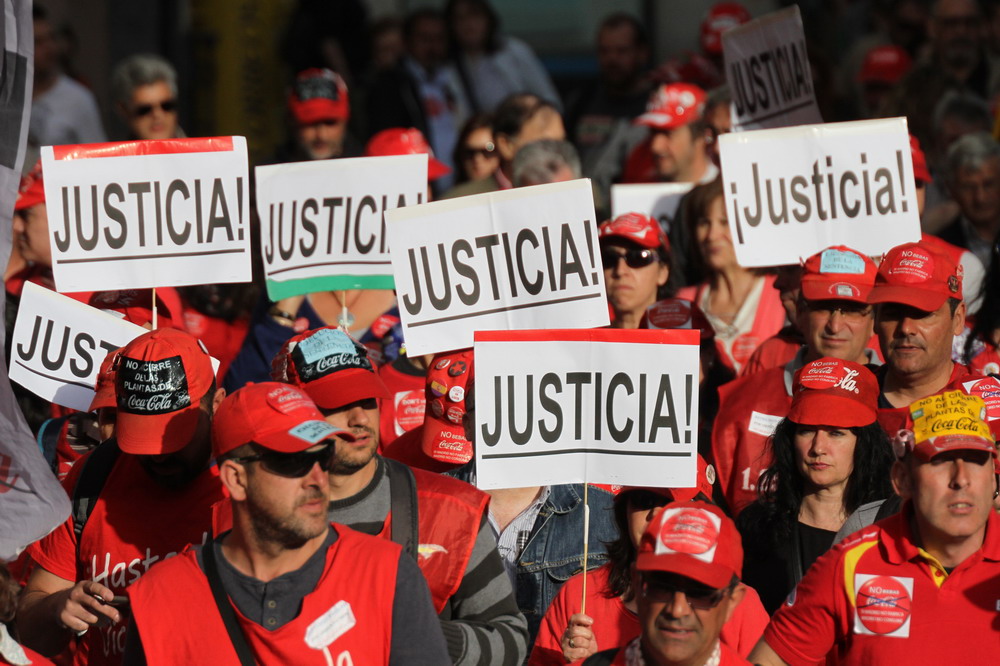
x=836, y=320
x=139, y=498
x=440, y=522
x=305, y=591
x=919, y=587
x=145, y=91
x=686, y=583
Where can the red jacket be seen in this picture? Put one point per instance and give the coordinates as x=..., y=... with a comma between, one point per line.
x=346, y=619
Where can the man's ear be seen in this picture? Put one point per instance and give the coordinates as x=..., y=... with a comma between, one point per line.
x=220, y=395
x=234, y=477
x=901, y=481
x=735, y=598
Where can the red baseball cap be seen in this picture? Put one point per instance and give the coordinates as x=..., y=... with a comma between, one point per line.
x=277, y=416
x=448, y=380
x=918, y=275
x=673, y=105
x=921, y=173
x=330, y=366
x=705, y=486
x=104, y=388
x=160, y=381
x=721, y=17
x=946, y=421
x=693, y=539
x=406, y=141
x=677, y=313
x=838, y=273
x=887, y=63
x=318, y=95
x=636, y=227
x=31, y=190
x=834, y=392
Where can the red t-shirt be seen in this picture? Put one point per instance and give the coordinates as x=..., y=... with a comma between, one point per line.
x=615, y=625
x=877, y=598
x=135, y=523
x=403, y=410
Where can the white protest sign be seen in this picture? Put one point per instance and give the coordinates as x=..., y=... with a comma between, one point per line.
x=658, y=200
x=768, y=71
x=520, y=259
x=321, y=221
x=597, y=406
x=59, y=343
x=835, y=184
x=148, y=213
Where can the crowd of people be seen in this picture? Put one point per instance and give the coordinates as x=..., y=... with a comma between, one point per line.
x=314, y=499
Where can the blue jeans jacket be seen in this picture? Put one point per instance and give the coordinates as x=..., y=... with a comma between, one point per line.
x=555, y=548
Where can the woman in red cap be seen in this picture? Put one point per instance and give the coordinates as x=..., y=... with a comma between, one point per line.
x=636, y=257
x=830, y=456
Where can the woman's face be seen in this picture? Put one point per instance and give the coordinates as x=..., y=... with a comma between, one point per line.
x=479, y=155
x=632, y=276
x=471, y=26
x=712, y=236
x=824, y=455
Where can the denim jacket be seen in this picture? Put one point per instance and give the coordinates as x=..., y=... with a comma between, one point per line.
x=554, y=549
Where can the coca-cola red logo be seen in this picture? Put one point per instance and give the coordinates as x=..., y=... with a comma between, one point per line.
x=690, y=531
x=152, y=387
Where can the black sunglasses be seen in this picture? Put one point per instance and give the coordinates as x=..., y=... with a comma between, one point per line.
x=700, y=598
x=634, y=258
x=166, y=106
x=485, y=152
x=292, y=465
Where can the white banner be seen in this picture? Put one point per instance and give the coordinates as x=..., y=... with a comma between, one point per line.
x=148, y=213
x=59, y=343
x=768, y=71
x=520, y=259
x=658, y=200
x=835, y=184
x=321, y=221
x=599, y=406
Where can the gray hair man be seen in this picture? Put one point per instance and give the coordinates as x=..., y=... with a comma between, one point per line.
x=545, y=161
x=144, y=88
x=973, y=178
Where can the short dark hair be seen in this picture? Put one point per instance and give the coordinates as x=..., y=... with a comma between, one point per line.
x=625, y=20
x=516, y=110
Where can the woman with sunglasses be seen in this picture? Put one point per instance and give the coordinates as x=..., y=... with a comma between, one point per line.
x=740, y=303
x=610, y=620
x=830, y=457
x=476, y=155
x=636, y=257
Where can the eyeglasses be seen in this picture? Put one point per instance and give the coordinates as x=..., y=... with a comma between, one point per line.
x=699, y=598
x=167, y=106
x=634, y=258
x=292, y=465
x=468, y=152
x=850, y=312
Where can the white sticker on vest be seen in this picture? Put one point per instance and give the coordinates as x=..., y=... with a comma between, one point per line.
x=764, y=424
x=882, y=605
x=330, y=626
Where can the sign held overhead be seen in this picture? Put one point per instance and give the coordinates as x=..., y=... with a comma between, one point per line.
x=148, y=213
x=660, y=201
x=519, y=259
x=836, y=184
x=595, y=406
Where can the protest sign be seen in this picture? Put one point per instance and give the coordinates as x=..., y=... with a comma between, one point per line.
x=835, y=184
x=148, y=213
x=519, y=259
x=322, y=225
x=769, y=75
x=595, y=406
x=658, y=200
x=59, y=343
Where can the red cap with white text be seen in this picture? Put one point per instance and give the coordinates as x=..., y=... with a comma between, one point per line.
x=918, y=275
x=838, y=274
x=834, y=392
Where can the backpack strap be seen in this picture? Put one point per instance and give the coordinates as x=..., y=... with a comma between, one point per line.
x=96, y=469
x=403, y=506
x=236, y=635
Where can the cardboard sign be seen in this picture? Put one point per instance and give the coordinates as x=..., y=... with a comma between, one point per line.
x=148, y=213
x=658, y=200
x=598, y=406
x=322, y=225
x=521, y=259
x=835, y=184
x=768, y=71
x=59, y=343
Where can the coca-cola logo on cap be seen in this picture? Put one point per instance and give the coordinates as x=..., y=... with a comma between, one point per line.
x=152, y=387
x=328, y=351
x=912, y=266
x=691, y=531
x=821, y=375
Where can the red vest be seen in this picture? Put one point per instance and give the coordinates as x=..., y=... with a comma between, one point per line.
x=347, y=619
x=448, y=519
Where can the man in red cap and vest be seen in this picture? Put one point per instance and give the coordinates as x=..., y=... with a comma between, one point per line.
x=440, y=522
x=283, y=586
